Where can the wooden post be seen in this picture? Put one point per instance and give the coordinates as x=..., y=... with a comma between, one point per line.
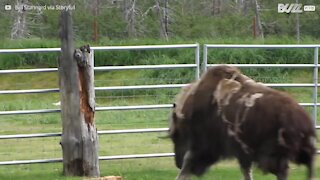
x=79, y=139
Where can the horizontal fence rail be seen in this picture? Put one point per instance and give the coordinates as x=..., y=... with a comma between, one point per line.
x=167, y=66
x=140, y=107
x=118, y=157
x=30, y=50
x=138, y=67
x=105, y=68
x=24, y=112
x=36, y=161
x=110, y=108
x=265, y=46
x=142, y=87
x=269, y=65
x=110, y=88
x=136, y=156
x=122, y=131
x=14, y=71
x=29, y=91
x=25, y=136
x=142, y=47
x=146, y=47
x=103, y=132
x=139, y=87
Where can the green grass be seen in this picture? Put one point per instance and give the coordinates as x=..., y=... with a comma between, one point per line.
x=142, y=169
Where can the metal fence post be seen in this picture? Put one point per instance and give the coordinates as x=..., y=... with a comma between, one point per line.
x=197, y=61
x=315, y=81
x=92, y=61
x=205, y=58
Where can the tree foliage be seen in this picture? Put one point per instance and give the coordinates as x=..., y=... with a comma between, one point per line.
x=178, y=19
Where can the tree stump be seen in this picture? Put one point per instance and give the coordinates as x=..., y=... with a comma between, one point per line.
x=79, y=139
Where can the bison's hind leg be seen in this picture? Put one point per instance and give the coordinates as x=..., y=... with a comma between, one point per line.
x=282, y=171
x=245, y=165
x=276, y=165
x=307, y=158
x=306, y=154
x=246, y=172
x=185, y=171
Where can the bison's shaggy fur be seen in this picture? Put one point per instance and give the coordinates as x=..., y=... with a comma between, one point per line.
x=226, y=114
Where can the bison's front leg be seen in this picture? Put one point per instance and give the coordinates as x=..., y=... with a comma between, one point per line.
x=283, y=168
x=247, y=173
x=186, y=167
x=245, y=163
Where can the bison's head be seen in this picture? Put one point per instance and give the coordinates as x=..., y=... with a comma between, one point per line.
x=225, y=72
x=225, y=80
x=178, y=126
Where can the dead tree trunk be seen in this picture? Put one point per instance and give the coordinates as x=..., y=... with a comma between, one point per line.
x=166, y=19
x=95, y=12
x=163, y=18
x=19, y=29
x=297, y=25
x=258, y=20
x=245, y=7
x=131, y=18
x=79, y=139
x=216, y=7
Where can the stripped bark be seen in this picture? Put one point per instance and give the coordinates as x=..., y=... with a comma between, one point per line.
x=79, y=139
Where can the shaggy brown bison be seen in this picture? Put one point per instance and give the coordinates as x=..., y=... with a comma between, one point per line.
x=226, y=114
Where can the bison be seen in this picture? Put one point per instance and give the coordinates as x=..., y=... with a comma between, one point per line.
x=226, y=114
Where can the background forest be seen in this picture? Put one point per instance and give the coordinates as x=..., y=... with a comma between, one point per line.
x=114, y=20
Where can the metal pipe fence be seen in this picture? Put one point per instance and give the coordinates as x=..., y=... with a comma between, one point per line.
x=105, y=68
x=124, y=131
x=195, y=65
x=143, y=87
x=118, y=157
x=111, y=108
